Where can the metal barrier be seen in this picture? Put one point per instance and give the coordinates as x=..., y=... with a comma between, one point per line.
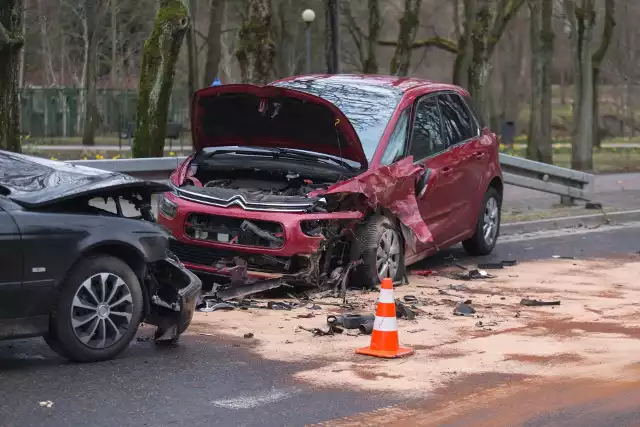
x=567, y=183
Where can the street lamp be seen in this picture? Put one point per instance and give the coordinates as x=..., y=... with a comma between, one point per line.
x=308, y=16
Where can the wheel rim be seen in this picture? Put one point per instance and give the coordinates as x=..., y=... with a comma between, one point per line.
x=388, y=254
x=490, y=223
x=101, y=310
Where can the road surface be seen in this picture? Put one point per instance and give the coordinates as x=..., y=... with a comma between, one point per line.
x=208, y=382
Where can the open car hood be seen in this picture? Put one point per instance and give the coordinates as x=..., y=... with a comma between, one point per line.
x=33, y=181
x=269, y=116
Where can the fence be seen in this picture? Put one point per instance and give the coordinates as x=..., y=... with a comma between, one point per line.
x=58, y=113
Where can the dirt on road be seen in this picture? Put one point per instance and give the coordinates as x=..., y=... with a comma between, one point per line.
x=588, y=342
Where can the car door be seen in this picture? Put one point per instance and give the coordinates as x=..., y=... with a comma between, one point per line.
x=429, y=148
x=10, y=274
x=467, y=153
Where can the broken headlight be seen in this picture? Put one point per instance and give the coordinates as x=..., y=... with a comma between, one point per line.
x=167, y=207
x=312, y=228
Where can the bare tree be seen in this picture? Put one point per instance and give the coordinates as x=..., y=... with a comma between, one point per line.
x=583, y=17
x=257, y=50
x=216, y=12
x=482, y=27
x=159, y=58
x=192, y=49
x=598, y=57
x=365, y=43
x=406, y=37
x=94, y=14
x=11, y=41
x=539, y=146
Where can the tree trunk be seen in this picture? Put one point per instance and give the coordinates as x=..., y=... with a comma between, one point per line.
x=161, y=51
x=91, y=96
x=371, y=63
x=582, y=145
x=598, y=57
x=214, y=49
x=192, y=50
x=114, y=44
x=11, y=41
x=257, y=49
x=23, y=67
x=539, y=146
x=401, y=61
x=332, y=45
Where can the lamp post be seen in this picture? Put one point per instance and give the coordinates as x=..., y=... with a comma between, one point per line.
x=308, y=16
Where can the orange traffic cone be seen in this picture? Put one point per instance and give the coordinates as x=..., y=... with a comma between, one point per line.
x=384, y=339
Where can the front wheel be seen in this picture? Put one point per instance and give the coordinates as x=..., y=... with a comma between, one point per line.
x=487, y=227
x=98, y=310
x=379, y=244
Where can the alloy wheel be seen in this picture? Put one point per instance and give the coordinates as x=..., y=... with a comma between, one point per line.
x=490, y=222
x=101, y=310
x=388, y=254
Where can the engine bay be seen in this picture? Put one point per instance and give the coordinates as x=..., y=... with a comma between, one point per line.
x=292, y=185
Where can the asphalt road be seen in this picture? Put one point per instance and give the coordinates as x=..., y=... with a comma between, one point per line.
x=205, y=382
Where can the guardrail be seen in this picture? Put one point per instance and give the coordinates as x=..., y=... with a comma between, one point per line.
x=567, y=183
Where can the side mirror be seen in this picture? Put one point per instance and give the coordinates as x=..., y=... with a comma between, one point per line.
x=423, y=182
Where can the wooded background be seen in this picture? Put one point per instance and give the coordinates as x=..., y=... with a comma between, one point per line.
x=556, y=69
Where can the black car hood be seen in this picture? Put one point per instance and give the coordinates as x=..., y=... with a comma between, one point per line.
x=33, y=181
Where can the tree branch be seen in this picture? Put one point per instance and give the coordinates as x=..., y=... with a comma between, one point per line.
x=439, y=42
x=507, y=10
x=607, y=33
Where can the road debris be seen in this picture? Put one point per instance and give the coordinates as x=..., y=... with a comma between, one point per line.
x=593, y=205
x=472, y=275
x=423, y=273
x=305, y=316
x=563, y=257
x=402, y=311
x=464, y=309
x=491, y=266
x=411, y=299
x=211, y=306
x=366, y=328
x=537, y=303
x=248, y=335
x=509, y=262
x=275, y=305
x=46, y=404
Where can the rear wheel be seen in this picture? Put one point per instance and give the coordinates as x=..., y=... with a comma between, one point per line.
x=487, y=227
x=97, y=312
x=379, y=244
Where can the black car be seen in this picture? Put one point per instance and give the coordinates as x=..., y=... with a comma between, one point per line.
x=82, y=261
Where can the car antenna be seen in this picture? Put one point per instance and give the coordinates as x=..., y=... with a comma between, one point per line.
x=335, y=125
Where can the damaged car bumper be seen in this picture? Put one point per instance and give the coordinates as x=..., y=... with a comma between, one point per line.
x=212, y=240
x=172, y=297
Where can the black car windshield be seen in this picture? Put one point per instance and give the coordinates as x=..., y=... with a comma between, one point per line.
x=369, y=108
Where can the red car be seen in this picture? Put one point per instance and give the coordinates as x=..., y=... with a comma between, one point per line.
x=301, y=179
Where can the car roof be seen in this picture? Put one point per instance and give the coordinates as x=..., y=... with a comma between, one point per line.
x=399, y=84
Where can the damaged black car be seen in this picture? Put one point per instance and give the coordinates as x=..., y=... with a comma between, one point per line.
x=83, y=262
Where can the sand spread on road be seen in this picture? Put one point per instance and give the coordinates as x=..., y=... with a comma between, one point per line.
x=592, y=334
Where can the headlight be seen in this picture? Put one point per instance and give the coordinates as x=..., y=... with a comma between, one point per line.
x=167, y=207
x=312, y=228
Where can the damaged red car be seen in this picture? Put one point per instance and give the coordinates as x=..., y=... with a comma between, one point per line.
x=322, y=179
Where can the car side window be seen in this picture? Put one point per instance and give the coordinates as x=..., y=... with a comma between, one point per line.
x=397, y=140
x=426, y=137
x=458, y=122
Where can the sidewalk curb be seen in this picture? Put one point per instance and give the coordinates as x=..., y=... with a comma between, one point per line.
x=595, y=220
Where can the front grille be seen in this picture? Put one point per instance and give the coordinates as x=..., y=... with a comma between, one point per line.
x=211, y=257
x=237, y=231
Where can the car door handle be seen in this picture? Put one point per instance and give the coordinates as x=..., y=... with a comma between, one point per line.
x=446, y=171
x=479, y=155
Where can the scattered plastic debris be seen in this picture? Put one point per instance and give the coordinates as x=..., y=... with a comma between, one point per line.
x=274, y=305
x=491, y=266
x=537, y=303
x=46, y=404
x=563, y=257
x=206, y=335
x=472, y=274
x=593, y=205
x=423, y=273
x=248, y=335
x=410, y=299
x=464, y=309
x=212, y=305
x=402, y=311
x=305, y=316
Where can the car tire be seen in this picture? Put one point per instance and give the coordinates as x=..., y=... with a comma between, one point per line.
x=489, y=216
x=369, y=237
x=98, y=310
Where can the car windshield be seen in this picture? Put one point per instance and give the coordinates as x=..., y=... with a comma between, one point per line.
x=368, y=108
